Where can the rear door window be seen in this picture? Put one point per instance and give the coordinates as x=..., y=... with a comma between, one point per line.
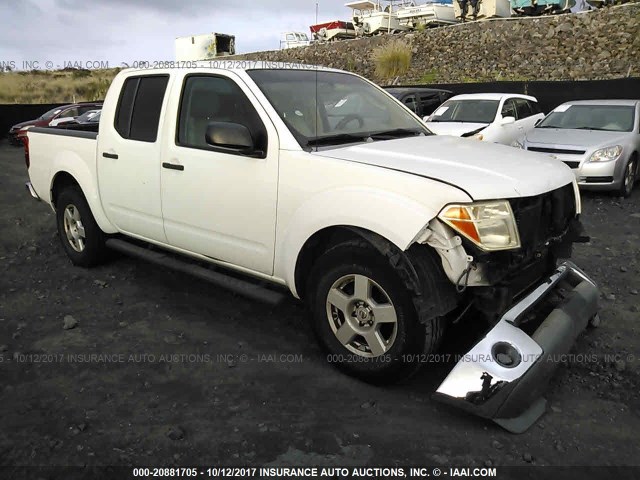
x=523, y=108
x=139, y=107
x=535, y=108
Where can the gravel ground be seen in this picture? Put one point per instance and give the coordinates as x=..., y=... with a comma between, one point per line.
x=185, y=374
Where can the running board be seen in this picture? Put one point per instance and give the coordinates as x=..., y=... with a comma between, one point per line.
x=236, y=285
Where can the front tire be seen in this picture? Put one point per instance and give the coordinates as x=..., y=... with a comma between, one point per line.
x=364, y=317
x=81, y=237
x=629, y=177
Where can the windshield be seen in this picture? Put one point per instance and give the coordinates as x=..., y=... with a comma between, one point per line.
x=330, y=108
x=472, y=111
x=50, y=114
x=613, y=118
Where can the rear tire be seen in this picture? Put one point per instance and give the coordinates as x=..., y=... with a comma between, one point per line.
x=364, y=316
x=81, y=237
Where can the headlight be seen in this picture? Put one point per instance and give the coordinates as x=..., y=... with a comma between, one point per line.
x=25, y=128
x=489, y=225
x=517, y=144
x=606, y=154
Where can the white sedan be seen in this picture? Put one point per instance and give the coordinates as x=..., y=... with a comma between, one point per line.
x=492, y=117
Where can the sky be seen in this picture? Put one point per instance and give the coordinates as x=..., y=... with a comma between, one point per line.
x=59, y=33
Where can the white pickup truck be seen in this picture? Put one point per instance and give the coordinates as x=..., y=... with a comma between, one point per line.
x=319, y=181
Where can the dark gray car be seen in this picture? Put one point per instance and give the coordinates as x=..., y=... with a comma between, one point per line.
x=598, y=139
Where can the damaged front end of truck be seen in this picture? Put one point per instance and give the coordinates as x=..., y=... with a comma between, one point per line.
x=508, y=261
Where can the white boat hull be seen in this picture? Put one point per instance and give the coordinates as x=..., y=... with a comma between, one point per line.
x=429, y=14
x=378, y=23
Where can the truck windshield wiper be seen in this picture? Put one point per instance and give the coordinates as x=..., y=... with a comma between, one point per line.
x=397, y=133
x=337, y=139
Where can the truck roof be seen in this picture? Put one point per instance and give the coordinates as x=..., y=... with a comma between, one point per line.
x=228, y=63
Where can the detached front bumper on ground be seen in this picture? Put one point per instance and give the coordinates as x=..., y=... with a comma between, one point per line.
x=503, y=376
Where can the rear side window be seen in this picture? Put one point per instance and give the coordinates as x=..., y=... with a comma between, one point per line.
x=523, y=108
x=535, y=108
x=138, y=113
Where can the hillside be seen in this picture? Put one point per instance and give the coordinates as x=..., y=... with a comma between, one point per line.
x=593, y=45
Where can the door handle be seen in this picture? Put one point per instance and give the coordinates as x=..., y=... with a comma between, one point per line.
x=172, y=166
x=110, y=155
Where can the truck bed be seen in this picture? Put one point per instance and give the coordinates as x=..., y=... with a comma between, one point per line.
x=51, y=148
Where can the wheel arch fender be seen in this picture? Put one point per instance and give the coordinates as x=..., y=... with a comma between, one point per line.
x=364, y=211
x=70, y=168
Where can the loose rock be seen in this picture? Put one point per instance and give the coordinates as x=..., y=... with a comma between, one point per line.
x=69, y=322
x=175, y=433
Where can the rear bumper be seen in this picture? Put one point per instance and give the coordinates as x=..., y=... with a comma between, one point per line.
x=504, y=375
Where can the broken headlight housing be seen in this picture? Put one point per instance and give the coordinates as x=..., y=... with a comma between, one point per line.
x=489, y=225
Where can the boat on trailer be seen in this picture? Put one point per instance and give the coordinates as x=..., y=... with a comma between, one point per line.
x=432, y=13
x=331, y=31
x=371, y=18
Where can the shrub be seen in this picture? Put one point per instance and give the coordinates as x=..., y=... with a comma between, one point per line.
x=392, y=59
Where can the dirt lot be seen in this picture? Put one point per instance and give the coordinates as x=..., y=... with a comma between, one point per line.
x=191, y=375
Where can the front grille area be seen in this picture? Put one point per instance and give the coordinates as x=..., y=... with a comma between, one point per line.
x=556, y=150
x=543, y=217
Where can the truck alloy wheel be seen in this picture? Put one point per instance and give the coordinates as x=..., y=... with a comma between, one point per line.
x=73, y=228
x=81, y=237
x=364, y=316
x=361, y=315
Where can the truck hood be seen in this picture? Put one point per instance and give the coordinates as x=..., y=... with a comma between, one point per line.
x=454, y=128
x=580, y=138
x=483, y=170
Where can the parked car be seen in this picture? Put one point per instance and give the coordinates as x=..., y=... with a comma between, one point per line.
x=92, y=116
x=598, y=139
x=61, y=114
x=422, y=101
x=388, y=232
x=491, y=117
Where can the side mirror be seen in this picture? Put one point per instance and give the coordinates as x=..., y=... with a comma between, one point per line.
x=232, y=137
x=507, y=120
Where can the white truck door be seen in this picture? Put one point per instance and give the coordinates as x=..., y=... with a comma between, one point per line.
x=129, y=150
x=217, y=202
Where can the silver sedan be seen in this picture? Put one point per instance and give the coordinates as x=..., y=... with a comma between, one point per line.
x=598, y=139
